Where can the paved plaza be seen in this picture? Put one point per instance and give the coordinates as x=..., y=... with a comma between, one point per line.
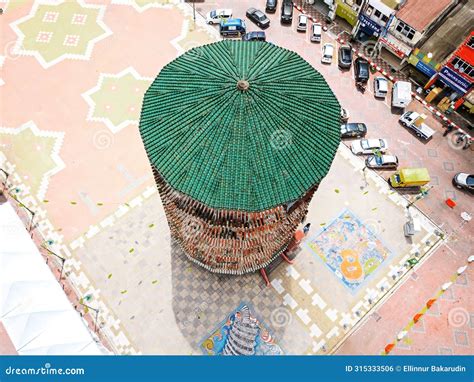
x=72, y=81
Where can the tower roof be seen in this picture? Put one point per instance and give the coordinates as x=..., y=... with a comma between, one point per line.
x=240, y=125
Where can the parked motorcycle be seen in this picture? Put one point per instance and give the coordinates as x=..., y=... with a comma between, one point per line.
x=361, y=86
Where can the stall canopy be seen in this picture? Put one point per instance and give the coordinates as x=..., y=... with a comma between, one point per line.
x=35, y=312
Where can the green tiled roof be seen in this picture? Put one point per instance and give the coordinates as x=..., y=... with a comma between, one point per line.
x=250, y=146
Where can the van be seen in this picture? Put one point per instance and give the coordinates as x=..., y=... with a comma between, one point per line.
x=401, y=94
x=409, y=177
x=316, y=32
x=380, y=87
x=232, y=27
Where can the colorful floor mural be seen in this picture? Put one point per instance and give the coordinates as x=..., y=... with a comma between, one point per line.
x=350, y=249
x=241, y=334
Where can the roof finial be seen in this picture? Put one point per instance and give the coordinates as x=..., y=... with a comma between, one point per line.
x=242, y=85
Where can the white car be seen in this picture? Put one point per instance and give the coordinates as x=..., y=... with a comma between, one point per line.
x=316, y=29
x=369, y=146
x=380, y=87
x=326, y=53
x=215, y=16
x=302, y=23
x=382, y=162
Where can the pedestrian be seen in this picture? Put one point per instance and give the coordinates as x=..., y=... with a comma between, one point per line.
x=449, y=128
x=306, y=228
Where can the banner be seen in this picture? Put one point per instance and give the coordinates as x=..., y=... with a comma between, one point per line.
x=208, y=369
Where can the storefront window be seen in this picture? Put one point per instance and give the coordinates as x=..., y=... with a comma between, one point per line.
x=463, y=67
x=470, y=43
x=405, y=30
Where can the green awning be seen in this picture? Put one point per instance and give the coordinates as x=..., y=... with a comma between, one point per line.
x=240, y=125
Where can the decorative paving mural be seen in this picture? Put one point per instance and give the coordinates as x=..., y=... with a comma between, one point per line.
x=116, y=99
x=241, y=334
x=350, y=249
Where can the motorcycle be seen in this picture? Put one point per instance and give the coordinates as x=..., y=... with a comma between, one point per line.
x=361, y=86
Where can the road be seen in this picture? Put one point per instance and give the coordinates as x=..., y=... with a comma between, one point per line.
x=443, y=160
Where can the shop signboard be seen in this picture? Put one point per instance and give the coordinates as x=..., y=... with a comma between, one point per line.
x=425, y=68
x=454, y=80
x=369, y=26
x=345, y=12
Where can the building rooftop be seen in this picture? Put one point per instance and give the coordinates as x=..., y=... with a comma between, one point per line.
x=419, y=14
x=241, y=125
x=451, y=33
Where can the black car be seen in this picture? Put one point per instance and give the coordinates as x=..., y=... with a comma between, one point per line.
x=353, y=130
x=271, y=6
x=286, y=12
x=254, y=36
x=258, y=17
x=361, y=70
x=345, y=57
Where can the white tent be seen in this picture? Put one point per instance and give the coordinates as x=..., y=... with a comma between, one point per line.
x=34, y=310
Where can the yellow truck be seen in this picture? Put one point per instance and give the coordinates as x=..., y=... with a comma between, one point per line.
x=409, y=177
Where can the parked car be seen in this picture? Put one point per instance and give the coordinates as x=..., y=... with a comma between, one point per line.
x=415, y=122
x=326, y=53
x=464, y=181
x=271, y=6
x=217, y=15
x=344, y=115
x=353, y=130
x=316, y=29
x=232, y=27
x=258, y=17
x=302, y=23
x=361, y=70
x=368, y=146
x=286, y=16
x=345, y=57
x=382, y=162
x=254, y=36
x=380, y=87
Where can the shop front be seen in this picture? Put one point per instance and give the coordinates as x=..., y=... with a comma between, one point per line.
x=346, y=12
x=367, y=28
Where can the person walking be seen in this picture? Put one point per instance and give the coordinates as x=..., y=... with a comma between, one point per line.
x=448, y=129
x=306, y=228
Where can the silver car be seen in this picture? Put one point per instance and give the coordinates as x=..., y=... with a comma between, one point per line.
x=369, y=146
x=382, y=162
x=302, y=23
x=316, y=29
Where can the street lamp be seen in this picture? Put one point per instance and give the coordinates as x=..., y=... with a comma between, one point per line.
x=63, y=260
x=96, y=313
x=421, y=195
